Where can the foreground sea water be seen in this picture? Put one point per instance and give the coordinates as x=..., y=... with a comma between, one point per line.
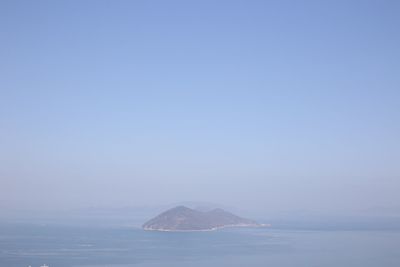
x=65, y=246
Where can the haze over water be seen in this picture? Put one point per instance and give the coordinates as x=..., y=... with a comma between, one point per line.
x=277, y=105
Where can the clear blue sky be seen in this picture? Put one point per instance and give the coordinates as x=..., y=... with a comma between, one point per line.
x=287, y=104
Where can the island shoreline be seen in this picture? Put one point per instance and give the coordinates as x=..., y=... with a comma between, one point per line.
x=209, y=230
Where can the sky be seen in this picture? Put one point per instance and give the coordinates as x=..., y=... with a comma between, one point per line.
x=273, y=105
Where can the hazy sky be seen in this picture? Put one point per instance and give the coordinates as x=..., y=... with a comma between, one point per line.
x=285, y=105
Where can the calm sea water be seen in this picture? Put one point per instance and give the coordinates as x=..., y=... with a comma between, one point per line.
x=22, y=245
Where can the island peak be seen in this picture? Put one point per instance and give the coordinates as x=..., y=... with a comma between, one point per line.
x=182, y=218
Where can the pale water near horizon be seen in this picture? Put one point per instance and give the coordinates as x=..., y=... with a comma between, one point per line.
x=56, y=246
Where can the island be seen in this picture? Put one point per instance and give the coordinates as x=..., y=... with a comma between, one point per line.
x=182, y=218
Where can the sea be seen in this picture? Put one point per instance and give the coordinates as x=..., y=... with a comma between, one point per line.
x=23, y=245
